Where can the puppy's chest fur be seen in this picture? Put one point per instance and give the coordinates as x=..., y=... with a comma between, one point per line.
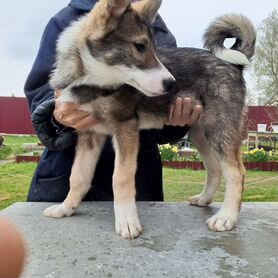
x=114, y=107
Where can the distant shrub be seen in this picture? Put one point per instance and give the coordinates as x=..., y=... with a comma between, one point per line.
x=171, y=153
x=258, y=155
x=168, y=152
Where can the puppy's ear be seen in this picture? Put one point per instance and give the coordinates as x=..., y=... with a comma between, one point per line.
x=117, y=7
x=104, y=17
x=148, y=9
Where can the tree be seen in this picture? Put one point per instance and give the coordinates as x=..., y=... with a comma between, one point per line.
x=250, y=101
x=266, y=59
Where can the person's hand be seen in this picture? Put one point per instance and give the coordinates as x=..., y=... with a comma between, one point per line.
x=183, y=113
x=68, y=114
x=12, y=250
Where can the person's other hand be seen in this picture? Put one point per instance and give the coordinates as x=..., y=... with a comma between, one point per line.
x=183, y=113
x=68, y=114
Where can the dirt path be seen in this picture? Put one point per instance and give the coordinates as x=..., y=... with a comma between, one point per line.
x=2, y=162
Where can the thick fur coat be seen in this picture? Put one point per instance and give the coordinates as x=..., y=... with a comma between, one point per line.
x=107, y=61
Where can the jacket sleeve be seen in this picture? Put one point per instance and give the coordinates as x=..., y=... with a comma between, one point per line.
x=36, y=88
x=164, y=38
x=40, y=95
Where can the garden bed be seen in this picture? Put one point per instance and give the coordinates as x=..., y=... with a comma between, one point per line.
x=198, y=165
x=29, y=157
x=262, y=166
x=194, y=165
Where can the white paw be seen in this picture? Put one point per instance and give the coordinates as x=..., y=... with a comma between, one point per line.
x=58, y=211
x=222, y=221
x=127, y=223
x=200, y=200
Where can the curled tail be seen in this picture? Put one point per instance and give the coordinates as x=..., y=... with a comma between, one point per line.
x=231, y=26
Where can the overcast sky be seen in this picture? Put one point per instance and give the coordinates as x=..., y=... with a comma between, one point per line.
x=22, y=24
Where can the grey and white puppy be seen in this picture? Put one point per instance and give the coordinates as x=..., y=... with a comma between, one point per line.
x=108, y=63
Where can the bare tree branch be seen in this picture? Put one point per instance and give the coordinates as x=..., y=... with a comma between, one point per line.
x=266, y=59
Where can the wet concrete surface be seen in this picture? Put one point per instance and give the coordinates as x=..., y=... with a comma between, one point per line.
x=175, y=243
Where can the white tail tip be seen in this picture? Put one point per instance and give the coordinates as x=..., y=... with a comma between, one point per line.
x=232, y=56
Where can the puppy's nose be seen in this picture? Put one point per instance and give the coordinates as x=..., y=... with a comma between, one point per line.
x=168, y=84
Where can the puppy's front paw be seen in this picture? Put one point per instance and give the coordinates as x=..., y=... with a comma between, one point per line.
x=127, y=223
x=58, y=211
x=222, y=221
x=200, y=200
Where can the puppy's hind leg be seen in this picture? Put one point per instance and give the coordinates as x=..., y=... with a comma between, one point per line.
x=233, y=172
x=88, y=150
x=126, y=143
x=212, y=166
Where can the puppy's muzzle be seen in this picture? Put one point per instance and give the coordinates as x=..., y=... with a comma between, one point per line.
x=168, y=84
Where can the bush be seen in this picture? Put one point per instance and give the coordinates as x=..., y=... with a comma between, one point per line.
x=168, y=152
x=196, y=157
x=258, y=155
x=171, y=153
x=5, y=152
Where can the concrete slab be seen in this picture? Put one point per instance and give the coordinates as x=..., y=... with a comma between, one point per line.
x=176, y=242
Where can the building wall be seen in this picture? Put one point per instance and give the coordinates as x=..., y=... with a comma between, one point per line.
x=261, y=115
x=15, y=116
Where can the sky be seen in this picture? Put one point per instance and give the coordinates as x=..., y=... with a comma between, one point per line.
x=22, y=24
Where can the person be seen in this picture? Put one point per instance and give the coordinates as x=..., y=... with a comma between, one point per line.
x=55, y=123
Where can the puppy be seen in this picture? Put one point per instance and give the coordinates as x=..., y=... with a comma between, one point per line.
x=107, y=62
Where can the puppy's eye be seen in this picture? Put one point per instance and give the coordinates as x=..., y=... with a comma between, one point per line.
x=140, y=47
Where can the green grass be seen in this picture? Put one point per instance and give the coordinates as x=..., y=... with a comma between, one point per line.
x=14, y=145
x=179, y=185
x=19, y=140
x=14, y=182
x=5, y=152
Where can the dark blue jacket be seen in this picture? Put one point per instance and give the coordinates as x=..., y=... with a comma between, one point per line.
x=51, y=179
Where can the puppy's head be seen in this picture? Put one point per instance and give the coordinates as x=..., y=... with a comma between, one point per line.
x=118, y=35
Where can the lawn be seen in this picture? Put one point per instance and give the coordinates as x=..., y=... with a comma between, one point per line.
x=14, y=182
x=14, y=145
x=179, y=185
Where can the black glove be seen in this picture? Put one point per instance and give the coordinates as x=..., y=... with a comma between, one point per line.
x=52, y=134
